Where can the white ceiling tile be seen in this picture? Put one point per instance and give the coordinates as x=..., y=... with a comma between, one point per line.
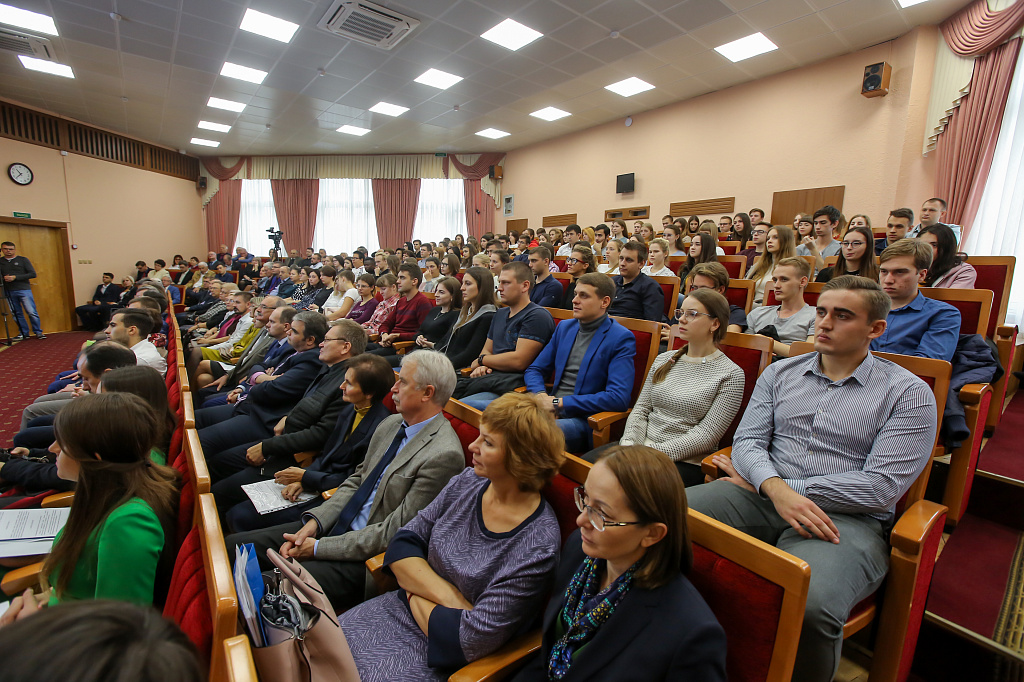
x=75, y=13
x=102, y=39
x=444, y=36
x=542, y=15
x=676, y=49
x=774, y=12
x=610, y=50
x=874, y=31
x=146, y=49
x=797, y=31
x=471, y=17
x=577, y=64
x=853, y=12
x=693, y=14
x=618, y=15
x=724, y=31
x=580, y=33
x=817, y=48
x=652, y=31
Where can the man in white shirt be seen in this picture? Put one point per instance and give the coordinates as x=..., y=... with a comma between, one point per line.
x=131, y=327
x=826, y=221
x=933, y=212
x=572, y=235
x=357, y=263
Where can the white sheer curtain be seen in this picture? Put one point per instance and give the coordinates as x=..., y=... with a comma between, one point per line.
x=996, y=229
x=441, y=211
x=256, y=216
x=344, y=216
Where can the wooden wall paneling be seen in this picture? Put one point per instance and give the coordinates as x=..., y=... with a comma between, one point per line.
x=702, y=207
x=519, y=224
x=45, y=243
x=785, y=205
x=628, y=214
x=563, y=220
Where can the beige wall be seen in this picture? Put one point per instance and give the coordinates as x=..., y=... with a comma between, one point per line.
x=116, y=214
x=809, y=127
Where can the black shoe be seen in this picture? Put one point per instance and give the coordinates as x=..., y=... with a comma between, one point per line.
x=19, y=337
x=40, y=336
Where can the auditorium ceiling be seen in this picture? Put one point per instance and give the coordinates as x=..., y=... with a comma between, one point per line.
x=148, y=68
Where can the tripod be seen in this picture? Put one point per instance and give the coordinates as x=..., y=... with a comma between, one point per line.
x=6, y=310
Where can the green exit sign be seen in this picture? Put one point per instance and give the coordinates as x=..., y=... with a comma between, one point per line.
x=22, y=215
x=441, y=154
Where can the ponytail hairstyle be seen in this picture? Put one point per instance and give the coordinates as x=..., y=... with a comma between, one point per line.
x=717, y=306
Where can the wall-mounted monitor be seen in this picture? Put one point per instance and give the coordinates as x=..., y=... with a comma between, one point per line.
x=624, y=183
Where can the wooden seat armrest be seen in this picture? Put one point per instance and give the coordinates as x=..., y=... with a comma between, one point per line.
x=1005, y=331
x=188, y=411
x=327, y=494
x=709, y=467
x=521, y=389
x=20, y=579
x=384, y=581
x=915, y=525
x=971, y=393
x=466, y=371
x=603, y=420
x=234, y=361
x=402, y=346
x=502, y=663
x=305, y=458
x=59, y=500
x=374, y=338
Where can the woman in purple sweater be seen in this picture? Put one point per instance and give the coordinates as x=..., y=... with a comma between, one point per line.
x=474, y=566
x=362, y=311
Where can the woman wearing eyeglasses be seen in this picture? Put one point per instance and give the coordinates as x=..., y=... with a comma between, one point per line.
x=579, y=263
x=856, y=256
x=622, y=607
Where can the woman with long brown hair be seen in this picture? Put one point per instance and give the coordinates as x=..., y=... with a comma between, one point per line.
x=779, y=244
x=468, y=335
x=856, y=256
x=702, y=250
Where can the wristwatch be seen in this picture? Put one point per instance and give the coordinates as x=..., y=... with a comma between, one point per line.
x=556, y=403
x=480, y=360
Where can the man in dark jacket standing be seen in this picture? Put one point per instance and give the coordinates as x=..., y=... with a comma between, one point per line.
x=16, y=272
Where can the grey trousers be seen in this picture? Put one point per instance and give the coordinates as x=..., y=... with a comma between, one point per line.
x=841, y=575
x=50, y=403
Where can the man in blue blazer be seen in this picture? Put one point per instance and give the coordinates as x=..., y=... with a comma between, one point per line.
x=591, y=360
x=247, y=421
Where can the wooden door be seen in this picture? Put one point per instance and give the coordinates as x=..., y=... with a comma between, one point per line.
x=785, y=205
x=45, y=243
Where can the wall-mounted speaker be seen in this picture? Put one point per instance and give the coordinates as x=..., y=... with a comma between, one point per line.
x=876, y=80
x=494, y=172
x=201, y=183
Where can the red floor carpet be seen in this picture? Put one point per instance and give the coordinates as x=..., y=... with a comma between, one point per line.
x=26, y=369
x=1002, y=453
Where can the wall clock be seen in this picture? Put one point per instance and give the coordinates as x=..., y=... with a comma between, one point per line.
x=20, y=173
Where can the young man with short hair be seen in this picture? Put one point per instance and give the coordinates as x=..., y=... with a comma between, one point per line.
x=756, y=215
x=636, y=294
x=403, y=323
x=431, y=274
x=572, y=235
x=424, y=251
x=666, y=220
x=916, y=325
x=522, y=249
x=755, y=245
x=547, y=291
x=725, y=224
x=933, y=212
x=131, y=327
x=829, y=443
x=591, y=361
x=602, y=233
x=16, y=272
x=94, y=313
x=792, y=319
x=899, y=223
x=826, y=221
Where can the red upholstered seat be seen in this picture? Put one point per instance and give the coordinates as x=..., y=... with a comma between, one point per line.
x=560, y=262
x=735, y=270
x=746, y=605
x=749, y=360
x=459, y=275
x=994, y=272
x=810, y=294
x=730, y=248
x=389, y=402
x=669, y=291
x=559, y=494
x=640, y=361
x=466, y=432
x=736, y=295
x=188, y=603
x=970, y=313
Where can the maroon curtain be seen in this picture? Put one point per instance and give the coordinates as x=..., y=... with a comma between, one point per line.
x=221, y=172
x=295, y=204
x=479, y=209
x=476, y=170
x=966, y=146
x=222, y=215
x=394, y=205
x=976, y=30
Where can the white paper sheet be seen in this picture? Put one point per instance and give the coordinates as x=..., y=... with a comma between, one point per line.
x=266, y=496
x=28, y=532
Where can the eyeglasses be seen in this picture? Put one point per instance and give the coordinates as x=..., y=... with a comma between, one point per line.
x=596, y=516
x=852, y=243
x=571, y=261
x=690, y=315
x=759, y=232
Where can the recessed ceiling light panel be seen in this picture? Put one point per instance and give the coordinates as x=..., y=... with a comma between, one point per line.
x=438, y=79
x=511, y=34
x=216, y=127
x=243, y=73
x=268, y=26
x=44, y=66
x=745, y=48
x=205, y=143
x=22, y=18
x=550, y=113
x=492, y=133
x=227, y=104
x=353, y=130
x=388, y=109
x=909, y=3
x=629, y=86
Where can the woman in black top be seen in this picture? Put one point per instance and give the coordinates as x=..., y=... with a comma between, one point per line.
x=464, y=342
x=436, y=325
x=580, y=262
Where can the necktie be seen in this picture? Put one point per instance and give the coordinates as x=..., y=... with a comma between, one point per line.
x=355, y=504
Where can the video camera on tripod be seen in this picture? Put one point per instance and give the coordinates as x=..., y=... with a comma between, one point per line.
x=276, y=235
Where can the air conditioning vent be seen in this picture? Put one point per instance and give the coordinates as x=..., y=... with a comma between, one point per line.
x=368, y=23
x=22, y=43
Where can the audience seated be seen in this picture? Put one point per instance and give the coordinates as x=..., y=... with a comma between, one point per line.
x=700, y=250
x=436, y=325
x=387, y=285
x=829, y=443
x=210, y=370
x=711, y=276
x=755, y=245
x=233, y=335
x=826, y=221
x=411, y=457
x=546, y=291
x=411, y=308
x=622, y=607
x=691, y=395
x=466, y=339
x=94, y=313
x=916, y=325
x=198, y=301
x=636, y=295
x=778, y=244
x=658, y=252
x=516, y=335
x=933, y=212
x=473, y=567
x=580, y=262
x=854, y=256
x=131, y=327
x=948, y=269
x=899, y=223
x=363, y=309
x=792, y=319
x=227, y=431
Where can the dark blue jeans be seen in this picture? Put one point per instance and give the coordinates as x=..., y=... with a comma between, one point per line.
x=23, y=297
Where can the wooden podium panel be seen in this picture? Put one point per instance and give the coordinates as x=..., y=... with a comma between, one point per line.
x=45, y=243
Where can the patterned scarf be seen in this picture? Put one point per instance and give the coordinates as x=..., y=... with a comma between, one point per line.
x=584, y=611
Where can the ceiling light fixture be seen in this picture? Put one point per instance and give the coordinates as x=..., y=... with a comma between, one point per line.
x=909, y=3
x=388, y=109
x=205, y=143
x=353, y=130
x=629, y=86
x=22, y=18
x=550, y=113
x=745, y=48
x=268, y=26
x=243, y=73
x=492, y=133
x=438, y=79
x=216, y=127
x=227, y=104
x=511, y=34
x=44, y=66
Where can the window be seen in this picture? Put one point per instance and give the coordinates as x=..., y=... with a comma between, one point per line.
x=255, y=217
x=344, y=216
x=441, y=211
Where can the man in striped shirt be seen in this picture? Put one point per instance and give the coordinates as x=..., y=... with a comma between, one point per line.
x=830, y=441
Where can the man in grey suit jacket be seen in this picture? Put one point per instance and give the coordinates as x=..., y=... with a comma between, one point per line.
x=411, y=457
